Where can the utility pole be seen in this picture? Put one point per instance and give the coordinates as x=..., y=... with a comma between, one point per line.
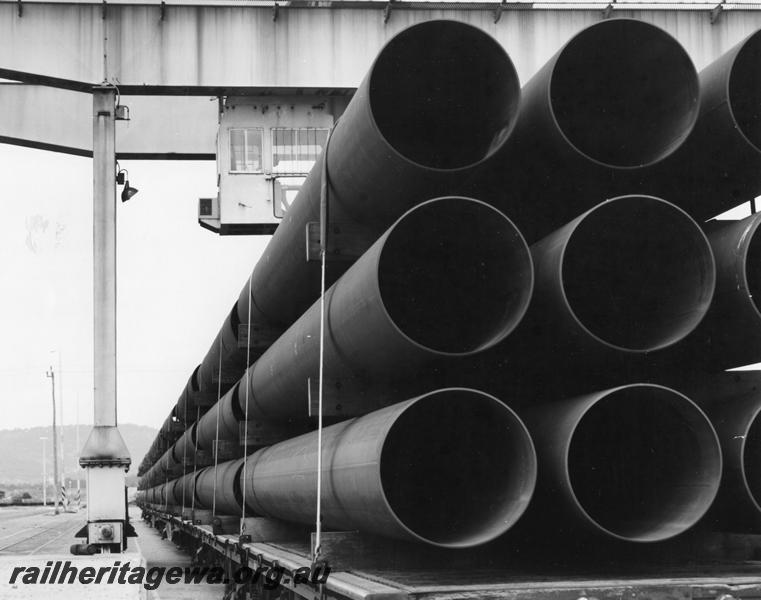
x=62, y=448
x=60, y=403
x=51, y=374
x=44, y=473
x=79, y=475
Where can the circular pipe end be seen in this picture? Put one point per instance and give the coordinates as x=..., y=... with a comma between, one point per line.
x=643, y=463
x=653, y=269
x=455, y=275
x=752, y=266
x=751, y=460
x=745, y=90
x=458, y=468
x=624, y=93
x=444, y=94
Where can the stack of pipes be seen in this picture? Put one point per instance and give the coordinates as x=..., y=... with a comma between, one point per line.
x=539, y=317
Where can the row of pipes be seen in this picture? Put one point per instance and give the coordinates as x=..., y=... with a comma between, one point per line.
x=519, y=247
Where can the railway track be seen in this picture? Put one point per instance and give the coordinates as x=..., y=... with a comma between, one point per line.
x=34, y=542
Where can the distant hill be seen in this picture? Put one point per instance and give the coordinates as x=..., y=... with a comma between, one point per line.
x=21, y=451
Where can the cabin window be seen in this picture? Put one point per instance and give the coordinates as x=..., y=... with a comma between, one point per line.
x=246, y=150
x=295, y=150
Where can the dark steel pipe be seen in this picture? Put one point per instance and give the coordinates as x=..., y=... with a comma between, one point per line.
x=730, y=335
x=450, y=278
x=227, y=488
x=453, y=468
x=184, y=410
x=158, y=447
x=732, y=402
x=407, y=135
x=173, y=493
x=225, y=344
x=157, y=472
x=185, y=447
x=640, y=463
x=735, y=319
x=620, y=95
x=719, y=166
x=159, y=494
x=228, y=412
x=631, y=276
x=185, y=488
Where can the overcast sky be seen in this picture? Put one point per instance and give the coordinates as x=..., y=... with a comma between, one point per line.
x=176, y=283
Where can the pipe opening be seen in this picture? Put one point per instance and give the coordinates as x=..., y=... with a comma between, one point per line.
x=458, y=468
x=430, y=81
x=745, y=90
x=624, y=93
x=644, y=463
x=653, y=270
x=752, y=460
x=753, y=268
x=231, y=399
x=194, y=381
x=455, y=275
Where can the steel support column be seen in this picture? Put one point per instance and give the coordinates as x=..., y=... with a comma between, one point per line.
x=105, y=456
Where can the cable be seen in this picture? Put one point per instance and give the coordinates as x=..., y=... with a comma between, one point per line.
x=195, y=464
x=216, y=435
x=324, y=184
x=184, y=461
x=166, y=483
x=245, y=423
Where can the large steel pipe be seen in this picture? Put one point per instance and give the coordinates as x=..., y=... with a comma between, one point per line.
x=733, y=403
x=221, y=422
x=620, y=95
x=452, y=468
x=165, y=493
x=225, y=360
x=640, y=463
x=720, y=164
x=631, y=276
x=730, y=335
x=408, y=134
x=185, y=410
x=184, y=449
x=160, y=468
x=184, y=489
x=222, y=483
x=160, y=444
x=450, y=278
x=734, y=324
